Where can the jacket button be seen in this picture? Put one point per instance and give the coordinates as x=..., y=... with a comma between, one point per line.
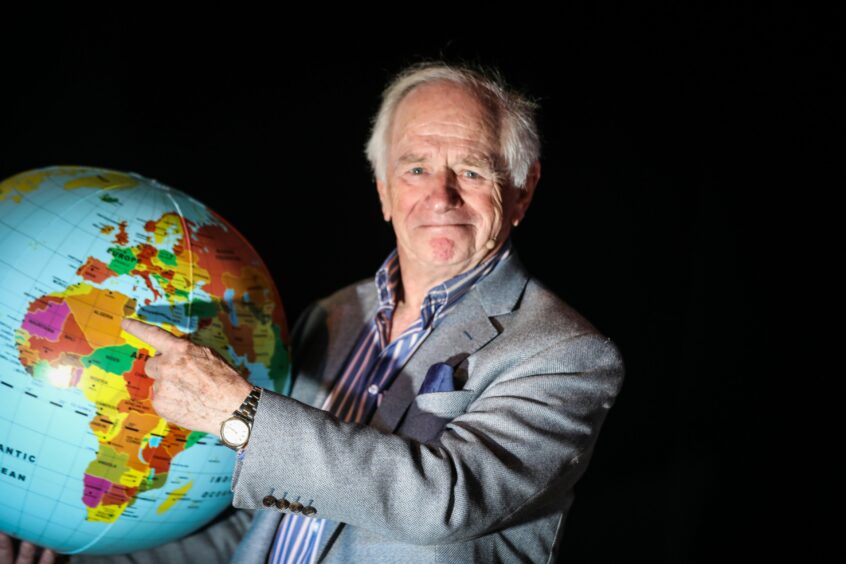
x=308, y=510
x=296, y=507
x=268, y=501
x=283, y=504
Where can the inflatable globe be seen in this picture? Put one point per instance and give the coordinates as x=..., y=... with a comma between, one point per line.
x=86, y=465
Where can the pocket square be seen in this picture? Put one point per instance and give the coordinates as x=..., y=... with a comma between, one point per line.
x=438, y=379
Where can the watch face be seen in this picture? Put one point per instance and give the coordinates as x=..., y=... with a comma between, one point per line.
x=235, y=431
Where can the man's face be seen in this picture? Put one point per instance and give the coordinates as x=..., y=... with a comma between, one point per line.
x=441, y=193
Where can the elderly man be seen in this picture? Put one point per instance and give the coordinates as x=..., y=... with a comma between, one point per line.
x=442, y=414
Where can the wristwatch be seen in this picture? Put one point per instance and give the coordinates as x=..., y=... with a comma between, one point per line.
x=235, y=431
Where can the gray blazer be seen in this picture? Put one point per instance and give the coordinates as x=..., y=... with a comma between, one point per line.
x=481, y=474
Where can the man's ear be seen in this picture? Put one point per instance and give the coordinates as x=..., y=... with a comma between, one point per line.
x=524, y=195
x=384, y=199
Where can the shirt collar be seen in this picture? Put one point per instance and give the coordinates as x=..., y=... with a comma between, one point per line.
x=441, y=298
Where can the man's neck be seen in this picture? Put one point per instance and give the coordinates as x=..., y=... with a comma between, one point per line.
x=417, y=279
x=412, y=290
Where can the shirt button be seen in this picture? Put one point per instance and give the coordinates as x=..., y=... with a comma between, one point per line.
x=373, y=389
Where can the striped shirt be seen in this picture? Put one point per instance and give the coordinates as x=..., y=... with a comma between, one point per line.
x=370, y=369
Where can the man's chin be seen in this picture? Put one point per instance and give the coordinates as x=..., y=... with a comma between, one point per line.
x=442, y=250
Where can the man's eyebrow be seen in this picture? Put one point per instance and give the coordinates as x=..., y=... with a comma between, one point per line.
x=411, y=158
x=478, y=160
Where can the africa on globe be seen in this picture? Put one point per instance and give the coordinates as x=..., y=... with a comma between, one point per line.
x=86, y=465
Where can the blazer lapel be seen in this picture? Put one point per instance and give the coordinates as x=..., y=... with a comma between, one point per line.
x=466, y=329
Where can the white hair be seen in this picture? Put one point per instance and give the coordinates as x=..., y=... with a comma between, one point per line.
x=511, y=113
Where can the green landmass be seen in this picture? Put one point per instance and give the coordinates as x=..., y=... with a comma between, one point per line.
x=192, y=438
x=123, y=260
x=279, y=365
x=200, y=309
x=167, y=257
x=117, y=359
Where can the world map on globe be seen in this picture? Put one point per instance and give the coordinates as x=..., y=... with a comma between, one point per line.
x=86, y=465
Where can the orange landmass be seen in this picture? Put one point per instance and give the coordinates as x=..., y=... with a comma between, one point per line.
x=101, y=424
x=137, y=382
x=135, y=427
x=103, y=311
x=173, y=443
x=95, y=270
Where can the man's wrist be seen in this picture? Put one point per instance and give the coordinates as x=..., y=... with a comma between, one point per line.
x=235, y=430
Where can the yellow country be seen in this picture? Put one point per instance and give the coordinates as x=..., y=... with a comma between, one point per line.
x=173, y=497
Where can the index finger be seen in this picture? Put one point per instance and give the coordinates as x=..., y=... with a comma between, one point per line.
x=156, y=336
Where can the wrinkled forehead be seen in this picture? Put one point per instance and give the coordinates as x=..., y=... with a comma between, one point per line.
x=445, y=109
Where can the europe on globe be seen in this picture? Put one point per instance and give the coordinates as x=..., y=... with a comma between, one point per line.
x=86, y=465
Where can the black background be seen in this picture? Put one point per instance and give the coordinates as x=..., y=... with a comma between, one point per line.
x=661, y=213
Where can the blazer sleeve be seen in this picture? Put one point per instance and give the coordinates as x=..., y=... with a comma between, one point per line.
x=511, y=456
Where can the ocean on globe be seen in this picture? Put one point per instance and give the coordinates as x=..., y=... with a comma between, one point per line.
x=86, y=465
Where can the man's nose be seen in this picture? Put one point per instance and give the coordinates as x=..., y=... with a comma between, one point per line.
x=444, y=194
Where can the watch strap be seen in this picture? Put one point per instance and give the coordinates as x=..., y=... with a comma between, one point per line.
x=248, y=407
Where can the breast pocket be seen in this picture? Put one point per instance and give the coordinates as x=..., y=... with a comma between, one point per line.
x=429, y=413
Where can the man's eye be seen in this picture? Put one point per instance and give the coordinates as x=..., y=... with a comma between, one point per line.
x=472, y=174
x=417, y=170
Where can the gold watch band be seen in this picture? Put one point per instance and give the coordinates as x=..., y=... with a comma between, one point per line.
x=249, y=405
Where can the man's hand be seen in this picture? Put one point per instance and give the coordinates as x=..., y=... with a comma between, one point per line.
x=195, y=388
x=25, y=554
